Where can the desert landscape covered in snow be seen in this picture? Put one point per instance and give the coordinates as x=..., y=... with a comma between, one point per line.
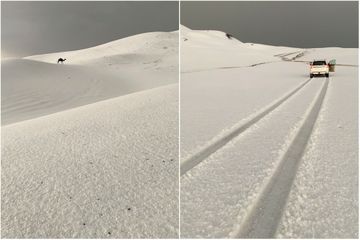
x=265, y=150
x=90, y=147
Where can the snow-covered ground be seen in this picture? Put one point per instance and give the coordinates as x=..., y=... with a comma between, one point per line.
x=324, y=200
x=90, y=147
x=37, y=85
x=266, y=152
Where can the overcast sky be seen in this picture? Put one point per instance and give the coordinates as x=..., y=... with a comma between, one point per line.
x=297, y=24
x=29, y=28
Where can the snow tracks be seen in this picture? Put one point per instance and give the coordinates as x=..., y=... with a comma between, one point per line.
x=215, y=145
x=262, y=220
x=244, y=178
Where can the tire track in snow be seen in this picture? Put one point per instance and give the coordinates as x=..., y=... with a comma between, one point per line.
x=282, y=56
x=285, y=58
x=264, y=216
x=228, y=67
x=212, y=147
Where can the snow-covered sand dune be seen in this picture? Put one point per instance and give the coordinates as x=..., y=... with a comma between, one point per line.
x=130, y=50
x=90, y=147
x=203, y=50
x=242, y=152
x=37, y=85
x=108, y=169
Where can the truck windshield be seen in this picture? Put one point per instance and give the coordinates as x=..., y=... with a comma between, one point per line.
x=319, y=63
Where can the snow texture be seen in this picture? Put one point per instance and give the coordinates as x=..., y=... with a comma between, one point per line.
x=37, y=85
x=77, y=166
x=220, y=194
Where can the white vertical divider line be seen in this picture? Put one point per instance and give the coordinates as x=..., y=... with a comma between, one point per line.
x=179, y=116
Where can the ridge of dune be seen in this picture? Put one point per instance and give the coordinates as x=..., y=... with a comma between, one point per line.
x=208, y=37
x=36, y=85
x=210, y=49
x=159, y=43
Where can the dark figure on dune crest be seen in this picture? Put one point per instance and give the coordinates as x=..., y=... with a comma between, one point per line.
x=229, y=36
x=61, y=60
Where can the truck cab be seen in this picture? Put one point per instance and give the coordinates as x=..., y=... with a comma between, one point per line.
x=319, y=67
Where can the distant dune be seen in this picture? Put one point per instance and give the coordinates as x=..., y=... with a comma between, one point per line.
x=37, y=85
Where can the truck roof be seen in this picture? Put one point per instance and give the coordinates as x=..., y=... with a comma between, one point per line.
x=319, y=62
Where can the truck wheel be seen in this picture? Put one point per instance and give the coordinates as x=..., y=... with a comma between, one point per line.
x=311, y=76
x=327, y=75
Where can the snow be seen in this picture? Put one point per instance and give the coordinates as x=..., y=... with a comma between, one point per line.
x=220, y=195
x=218, y=177
x=324, y=201
x=343, y=56
x=90, y=147
x=88, y=165
x=130, y=50
x=90, y=150
x=251, y=88
x=87, y=76
x=198, y=45
x=201, y=98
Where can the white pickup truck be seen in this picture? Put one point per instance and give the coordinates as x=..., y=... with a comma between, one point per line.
x=319, y=67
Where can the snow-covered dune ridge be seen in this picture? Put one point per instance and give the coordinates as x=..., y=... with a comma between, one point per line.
x=207, y=38
x=36, y=85
x=209, y=49
x=132, y=49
